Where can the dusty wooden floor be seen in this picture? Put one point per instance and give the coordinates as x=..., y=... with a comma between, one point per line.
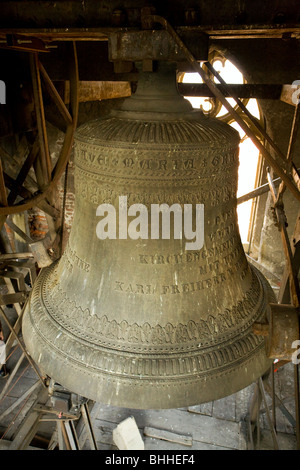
x=219, y=425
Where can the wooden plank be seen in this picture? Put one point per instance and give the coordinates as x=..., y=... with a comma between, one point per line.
x=5, y=445
x=18, y=297
x=204, y=409
x=159, y=445
x=215, y=31
x=30, y=424
x=164, y=435
x=19, y=400
x=103, y=434
x=8, y=256
x=225, y=408
x=11, y=376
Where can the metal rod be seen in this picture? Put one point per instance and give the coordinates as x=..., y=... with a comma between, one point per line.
x=65, y=435
x=259, y=396
x=41, y=122
x=21, y=345
x=88, y=424
x=19, y=400
x=280, y=404
x=273, y=432
x=257, y=192
x=55, y=96
x=297, y=403
x=273, y=396
x=246, y=111
x=11, y=376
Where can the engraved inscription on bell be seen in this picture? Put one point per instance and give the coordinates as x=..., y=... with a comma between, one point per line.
x=146, y=323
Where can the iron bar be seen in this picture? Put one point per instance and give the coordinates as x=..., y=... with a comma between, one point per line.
x=273, y=432
x=63, y=110
x=254, y=121
x=279, y=402
x=45, y=160
x=3, y=194
x=11, y=376
x=21, y=345
x=273, y=396
x=297, y=403
x=19, y=400
x=257, y=192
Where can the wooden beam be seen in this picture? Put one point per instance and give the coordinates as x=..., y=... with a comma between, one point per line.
x=258, y=91
x=214, y=31
x=168, y=436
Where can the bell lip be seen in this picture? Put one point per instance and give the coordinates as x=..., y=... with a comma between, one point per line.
x=158, y=392
x=127, y=393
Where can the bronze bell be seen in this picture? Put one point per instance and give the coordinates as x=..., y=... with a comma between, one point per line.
x=146, y=322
